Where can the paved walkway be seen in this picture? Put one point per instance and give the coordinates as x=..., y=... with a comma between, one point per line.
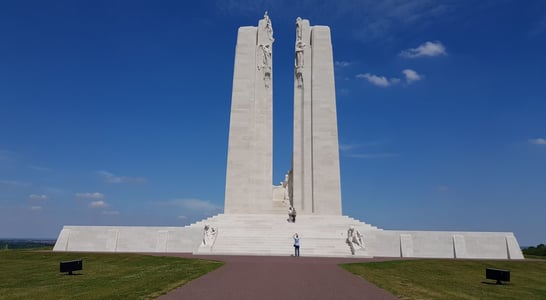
x=267, y=277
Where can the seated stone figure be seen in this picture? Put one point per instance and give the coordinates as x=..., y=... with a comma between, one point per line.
x=354, y=237
x=209, y=235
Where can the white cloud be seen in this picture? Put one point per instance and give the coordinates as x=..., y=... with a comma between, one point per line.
x=37, y=197
x=411, y=75
x=342, y=64
x=425, y=49
x=98, y=204
x=36, y=208
x=538, y=141
x=110, y=212
x=380, y=81
x=90, y=195
x=182, y=217
x=111, y=178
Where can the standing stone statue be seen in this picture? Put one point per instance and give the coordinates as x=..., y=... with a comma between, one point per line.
x=299, y=29
x=265, y=50
x=300, y=46
x=268, y=27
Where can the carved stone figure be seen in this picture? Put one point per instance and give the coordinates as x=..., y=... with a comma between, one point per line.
x=209, y=235
x=354, y=237
x=268, y=27
x=300, y=47
x=267, y=63
x=290, y=209
x=285, y=187
x=299, y=54
x=299, y=31
x=264, y=53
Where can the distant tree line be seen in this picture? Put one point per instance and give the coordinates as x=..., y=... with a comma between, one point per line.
x=539, y=250
x=25, y=244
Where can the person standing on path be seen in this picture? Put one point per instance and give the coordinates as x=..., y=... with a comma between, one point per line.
x=296, y=244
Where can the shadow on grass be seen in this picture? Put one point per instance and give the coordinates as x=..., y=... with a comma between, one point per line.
x=494, y=283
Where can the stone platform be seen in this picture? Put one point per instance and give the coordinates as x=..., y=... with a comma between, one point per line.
x=271, y=234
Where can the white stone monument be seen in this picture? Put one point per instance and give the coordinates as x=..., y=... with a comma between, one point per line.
x=254, y=221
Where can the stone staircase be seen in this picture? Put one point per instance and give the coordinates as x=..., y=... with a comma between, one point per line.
x=271, y=234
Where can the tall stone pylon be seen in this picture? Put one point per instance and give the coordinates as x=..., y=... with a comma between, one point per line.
x=315, y=161
x=250, y=150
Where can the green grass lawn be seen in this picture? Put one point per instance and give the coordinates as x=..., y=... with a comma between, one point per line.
x=454, y=279
x=26, y=274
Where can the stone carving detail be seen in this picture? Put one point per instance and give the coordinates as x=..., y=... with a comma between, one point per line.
x=354, y=239
x=265, y=51
x=300, y=47
x=268, y=28
x=288, y=187
x=209, y=236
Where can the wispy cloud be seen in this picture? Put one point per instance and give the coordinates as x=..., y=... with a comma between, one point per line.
x=36, y=208
x=411, y=76
x=95, y=195
x=425, y=49
x=374, y=155
x=540, y=27
x=380, y=81
x=98, y=204
x=14, y=183
x=6, y=155
x=111, y=178
x=442, y=189
x=36, y=197
x=196, y=205
x=537, y=141
x=343, y=92
x=347, y=147
x=367, y=20
x=38, y=168
x=342, y=64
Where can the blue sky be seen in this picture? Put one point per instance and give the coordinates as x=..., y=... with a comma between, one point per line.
x=117, y=112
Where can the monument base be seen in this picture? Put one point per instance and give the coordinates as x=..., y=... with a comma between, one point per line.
x=271, y=235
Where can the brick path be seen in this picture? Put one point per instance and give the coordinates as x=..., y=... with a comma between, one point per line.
x=267, y=277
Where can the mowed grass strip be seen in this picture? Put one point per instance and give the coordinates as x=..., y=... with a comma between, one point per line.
x=28, y=274
x=454, y=279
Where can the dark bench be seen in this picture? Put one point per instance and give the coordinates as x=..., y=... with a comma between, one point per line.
x=71, y=265
x=498, y=275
